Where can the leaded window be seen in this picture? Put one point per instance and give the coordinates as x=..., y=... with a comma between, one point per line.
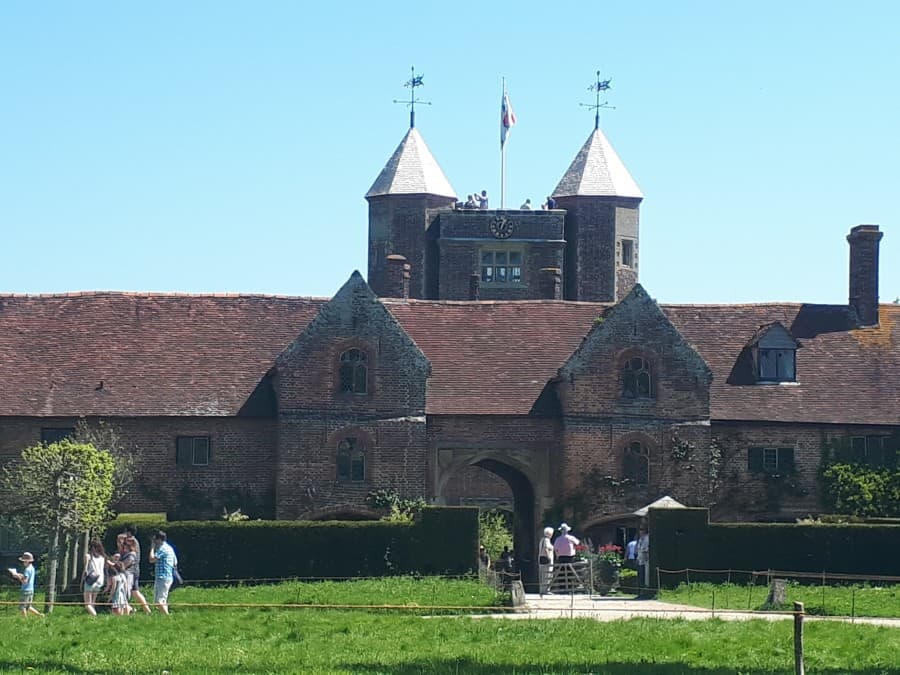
x=351, y=460
x=354, y=372
x=636, y=378
x=192, y=451
x=501, y=267
x=770, y=460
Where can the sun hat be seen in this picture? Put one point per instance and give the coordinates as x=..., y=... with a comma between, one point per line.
x=26, y=557
x=565, y=528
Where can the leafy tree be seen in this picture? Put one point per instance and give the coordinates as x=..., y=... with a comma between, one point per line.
x=859, y=490
x=59, y=490
x=494, y=533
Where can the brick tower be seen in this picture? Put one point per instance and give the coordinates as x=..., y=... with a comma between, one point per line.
x=602, y=204
x=402, y=204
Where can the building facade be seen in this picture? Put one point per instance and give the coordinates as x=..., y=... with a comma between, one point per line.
x=493, y=356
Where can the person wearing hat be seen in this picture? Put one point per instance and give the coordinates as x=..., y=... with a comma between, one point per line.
x=26, y=578
x=564, y=546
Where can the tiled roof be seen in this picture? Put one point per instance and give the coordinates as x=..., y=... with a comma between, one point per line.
x=412, y=170
x=597, y=171
x=493, y=358
x=162, y=354
x=844, y=374
x=155, y=354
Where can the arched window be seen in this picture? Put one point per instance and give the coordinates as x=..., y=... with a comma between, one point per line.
x=636, y=463
x=636, y=381
x=351, y=460
x=354, y=372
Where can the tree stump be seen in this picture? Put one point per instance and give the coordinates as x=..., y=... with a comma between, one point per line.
x=777, y=593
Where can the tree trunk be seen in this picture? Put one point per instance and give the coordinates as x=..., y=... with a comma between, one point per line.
x=52, y=564
x=65, y=579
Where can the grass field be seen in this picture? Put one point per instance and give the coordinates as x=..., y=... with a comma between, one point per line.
x=858, y=600
x=287, y=640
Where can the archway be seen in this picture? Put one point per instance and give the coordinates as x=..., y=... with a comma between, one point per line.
x=518, y=486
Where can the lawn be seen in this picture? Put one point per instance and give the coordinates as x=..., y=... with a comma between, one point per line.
x=283, y=639
x=856, y=600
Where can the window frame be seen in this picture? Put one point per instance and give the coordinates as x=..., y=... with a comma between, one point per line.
x=627, y=253
x=512, y=272
x=863, y=450
x=195, y=451
x=362, y=364
x=351, y=457
x=636, y=451
x=51, y=435
x=771, y=459
x=630, y=378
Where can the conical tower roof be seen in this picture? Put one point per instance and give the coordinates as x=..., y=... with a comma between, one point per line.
x=412, y=170
x=597, y=171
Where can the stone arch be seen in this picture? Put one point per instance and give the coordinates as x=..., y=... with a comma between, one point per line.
x=521, y=478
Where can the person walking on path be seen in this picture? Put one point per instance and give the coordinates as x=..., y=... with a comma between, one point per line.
x=163, y=556
x=545, y=560
x=131, y=561
x=26, y=592
x=93, y=575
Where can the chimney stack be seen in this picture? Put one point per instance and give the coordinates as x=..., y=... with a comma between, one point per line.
x=474, y=287
x=864, y=241
x=396, y=277
x=551, y=283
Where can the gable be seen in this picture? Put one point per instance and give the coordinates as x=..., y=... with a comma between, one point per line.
x=354, y=320
x=636, y=331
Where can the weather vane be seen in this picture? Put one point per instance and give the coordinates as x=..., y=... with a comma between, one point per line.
x=597, y=87
x=412, y=83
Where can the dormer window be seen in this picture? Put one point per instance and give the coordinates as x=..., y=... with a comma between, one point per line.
x=775, y=354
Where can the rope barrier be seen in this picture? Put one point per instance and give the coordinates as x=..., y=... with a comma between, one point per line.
x=785, y=573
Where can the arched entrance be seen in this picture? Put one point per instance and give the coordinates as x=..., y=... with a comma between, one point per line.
x=515, y=474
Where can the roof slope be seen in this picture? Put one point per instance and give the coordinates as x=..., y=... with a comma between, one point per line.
x=597, y=171
x=493, y=358
x=156, y=354
x=844, y=374
x=412, y=170
x=186, y=355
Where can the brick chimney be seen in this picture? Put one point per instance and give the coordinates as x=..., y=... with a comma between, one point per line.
x=550, y=281
x=396, y=277
x=863, y=241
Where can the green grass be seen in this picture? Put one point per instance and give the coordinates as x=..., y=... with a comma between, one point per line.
x=858, y=600
x=284, y=640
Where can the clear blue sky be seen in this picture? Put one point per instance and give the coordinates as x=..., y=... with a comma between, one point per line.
x=227, y=146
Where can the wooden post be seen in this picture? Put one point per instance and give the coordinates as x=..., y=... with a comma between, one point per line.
x=799, y=668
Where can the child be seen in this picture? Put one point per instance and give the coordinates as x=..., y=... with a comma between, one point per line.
x=26, y=578
x=120, y=590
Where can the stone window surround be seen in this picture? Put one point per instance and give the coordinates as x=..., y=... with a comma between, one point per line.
x=342, y=348
x=627, y=447
x=493, y=248
x=365, y=445
x=622, y=362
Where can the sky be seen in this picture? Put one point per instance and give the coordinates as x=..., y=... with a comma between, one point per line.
x=227, y=146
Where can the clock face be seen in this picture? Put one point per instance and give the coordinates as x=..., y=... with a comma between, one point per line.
x=501, y=227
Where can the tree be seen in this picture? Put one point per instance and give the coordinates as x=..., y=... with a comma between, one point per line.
x=60, y=489
x=105, y=436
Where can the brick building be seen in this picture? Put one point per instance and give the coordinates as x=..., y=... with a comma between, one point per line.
x=494, y=356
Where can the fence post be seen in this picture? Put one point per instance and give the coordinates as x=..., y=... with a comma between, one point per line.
x=853, y=602
x=799, y=668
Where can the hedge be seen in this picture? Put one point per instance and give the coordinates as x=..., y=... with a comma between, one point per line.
x=442, y=540
x=684, y=538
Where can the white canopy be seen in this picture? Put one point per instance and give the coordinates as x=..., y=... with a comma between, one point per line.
x=662, y=503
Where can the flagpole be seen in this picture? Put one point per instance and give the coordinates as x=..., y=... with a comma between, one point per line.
x=503, y=156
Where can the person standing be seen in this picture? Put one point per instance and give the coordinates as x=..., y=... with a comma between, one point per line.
x=163, y=556
x=482, y=199
x=643, y=560
x=119, y=598
x=564, y=546
x=131, y=561
x=545, y=561
x=26, y=592
x=93, y=574
x=631, y=554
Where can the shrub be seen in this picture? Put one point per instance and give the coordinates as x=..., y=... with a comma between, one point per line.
x=494, y=533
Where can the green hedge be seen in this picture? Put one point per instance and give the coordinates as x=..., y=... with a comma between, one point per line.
x=443, y=540
x=684, y=538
